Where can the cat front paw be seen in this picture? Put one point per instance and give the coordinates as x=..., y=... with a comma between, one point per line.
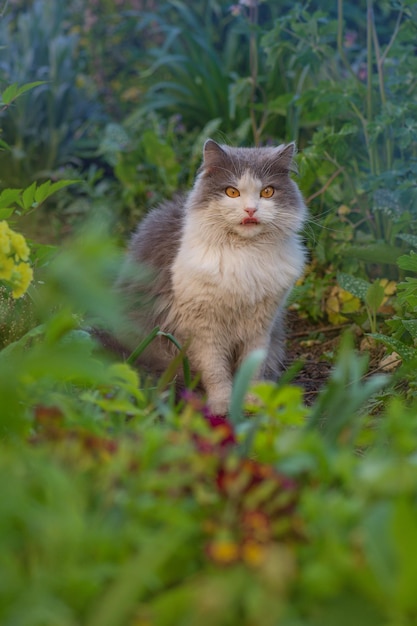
x=219, y=405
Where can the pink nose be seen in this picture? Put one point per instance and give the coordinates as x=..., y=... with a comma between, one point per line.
x=251, y=212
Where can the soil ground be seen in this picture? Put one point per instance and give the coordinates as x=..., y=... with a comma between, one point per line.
x=315, y=345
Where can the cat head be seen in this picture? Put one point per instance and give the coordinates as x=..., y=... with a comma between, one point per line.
x=248, y=191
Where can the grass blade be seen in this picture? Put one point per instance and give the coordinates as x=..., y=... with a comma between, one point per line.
x=142, y=346
x=241, y=383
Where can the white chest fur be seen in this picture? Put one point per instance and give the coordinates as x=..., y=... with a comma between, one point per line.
x=247, y=273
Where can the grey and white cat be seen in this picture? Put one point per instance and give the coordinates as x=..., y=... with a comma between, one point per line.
x=223, y=260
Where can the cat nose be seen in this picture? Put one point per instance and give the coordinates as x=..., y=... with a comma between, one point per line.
x=251, y=212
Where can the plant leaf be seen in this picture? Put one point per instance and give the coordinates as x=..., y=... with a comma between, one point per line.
x=345, y=393
x=241, y=383
x=356, y=286
x=6, y=213
x=8, y=197
x=374, y=296
x=411, y=326
x=374, y=253
x=408, y=262
x=47, y=189
x=407, y=353
x=14, y=91
x=28, y=197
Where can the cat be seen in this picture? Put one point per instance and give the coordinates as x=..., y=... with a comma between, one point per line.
x=222, y=261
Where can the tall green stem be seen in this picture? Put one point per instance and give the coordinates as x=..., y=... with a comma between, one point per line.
x=380, y=60
x=253, y=61
x=257, y=126
x=369, y=102
x=340, y=26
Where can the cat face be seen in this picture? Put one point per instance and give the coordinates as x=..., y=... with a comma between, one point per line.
x=248, y=207
x=248, y=191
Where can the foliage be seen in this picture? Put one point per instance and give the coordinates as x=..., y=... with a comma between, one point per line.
x=403, y=326
x=119, y=507
x=343, y=83
x=45, y=128
x=120, y=503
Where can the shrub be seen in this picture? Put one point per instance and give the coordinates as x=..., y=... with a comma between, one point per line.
x=47, y=127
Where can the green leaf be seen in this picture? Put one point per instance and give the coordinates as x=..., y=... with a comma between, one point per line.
x=42, y=192
x=407, y=293
x=404, y=527
x=411, y=326
x=14, y=91
x=410, y=239
x=407, y=353
x=374, y=253
x=241, y=383
x=132, y=358
x=124, y=375
x=42, y=253
x=345, y=393
x=280, y=104
x=161, y=155
x=374, y=296
x=185, y=361
x=28, y=197
x=6, y=213
x=356, y=286
x=408, y=262
x=239, y=93
x=8, y=197
x=47, y=189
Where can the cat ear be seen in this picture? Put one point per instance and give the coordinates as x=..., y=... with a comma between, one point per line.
x=284, y=157
x=212, y=153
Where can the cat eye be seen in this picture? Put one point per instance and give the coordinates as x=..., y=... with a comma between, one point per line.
x=232, y=192
x=267, y=192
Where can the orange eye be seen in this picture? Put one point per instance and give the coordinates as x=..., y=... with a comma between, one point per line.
x=267, y=192
x=232, y=192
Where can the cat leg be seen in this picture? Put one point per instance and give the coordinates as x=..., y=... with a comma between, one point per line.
x=255, y=343
x=216, y=375
x=275, y=358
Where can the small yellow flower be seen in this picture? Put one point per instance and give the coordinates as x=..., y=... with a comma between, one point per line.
x=253, y=553
x=21, y=278
x=4, y=239
x=223, y=551
x=6, y=267
x=19, y=246
x=14, y=253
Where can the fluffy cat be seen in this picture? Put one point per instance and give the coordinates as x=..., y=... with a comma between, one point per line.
x=223, y=259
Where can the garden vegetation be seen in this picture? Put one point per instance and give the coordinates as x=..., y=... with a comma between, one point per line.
x=121, y=505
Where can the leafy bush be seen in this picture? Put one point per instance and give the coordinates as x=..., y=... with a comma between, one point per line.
x=362, y=108
x=46, y=128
